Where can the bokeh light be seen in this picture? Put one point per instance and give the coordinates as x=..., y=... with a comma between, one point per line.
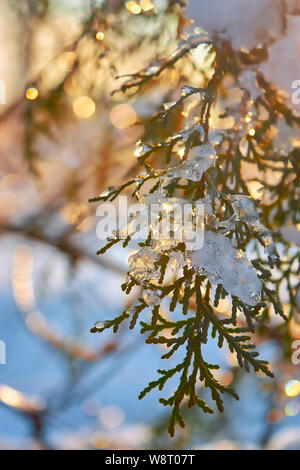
x=111, y=417
x=146, y=5
x=32, y=93
x=84, y=107
x=292, y=388
x=100, y=36
x=123, y=116
x=292, y=408
x=133, y=7
x=254, y=188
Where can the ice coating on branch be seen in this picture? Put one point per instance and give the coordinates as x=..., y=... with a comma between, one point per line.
x=245, y=210
x=189, y=90
x=199, y=159
x=153, y=213
x=151, y=298
x=224, y=264
x=144, y=268
x=286, y=138
x=139, y=222
x=247, y=80
x=244, y=207
x=141, y=149
x=168, y=220
x=142, y=265
x=99, y=325
x=246, y=23
x=191, y=127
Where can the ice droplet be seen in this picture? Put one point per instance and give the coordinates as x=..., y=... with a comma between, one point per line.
x=99, y=325
x=107, y=192
x=152, y=69
x=141, y=149
x=151, y=298
x=189, y=90
x=169, y=105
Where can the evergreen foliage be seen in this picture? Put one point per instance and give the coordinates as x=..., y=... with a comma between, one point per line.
x=233, y=219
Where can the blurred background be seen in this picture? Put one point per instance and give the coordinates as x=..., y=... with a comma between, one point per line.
x=63, y=139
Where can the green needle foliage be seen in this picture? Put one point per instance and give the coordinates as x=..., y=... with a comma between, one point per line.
x=261, y=133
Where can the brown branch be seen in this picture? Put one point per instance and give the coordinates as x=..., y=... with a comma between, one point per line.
x=71, y=250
